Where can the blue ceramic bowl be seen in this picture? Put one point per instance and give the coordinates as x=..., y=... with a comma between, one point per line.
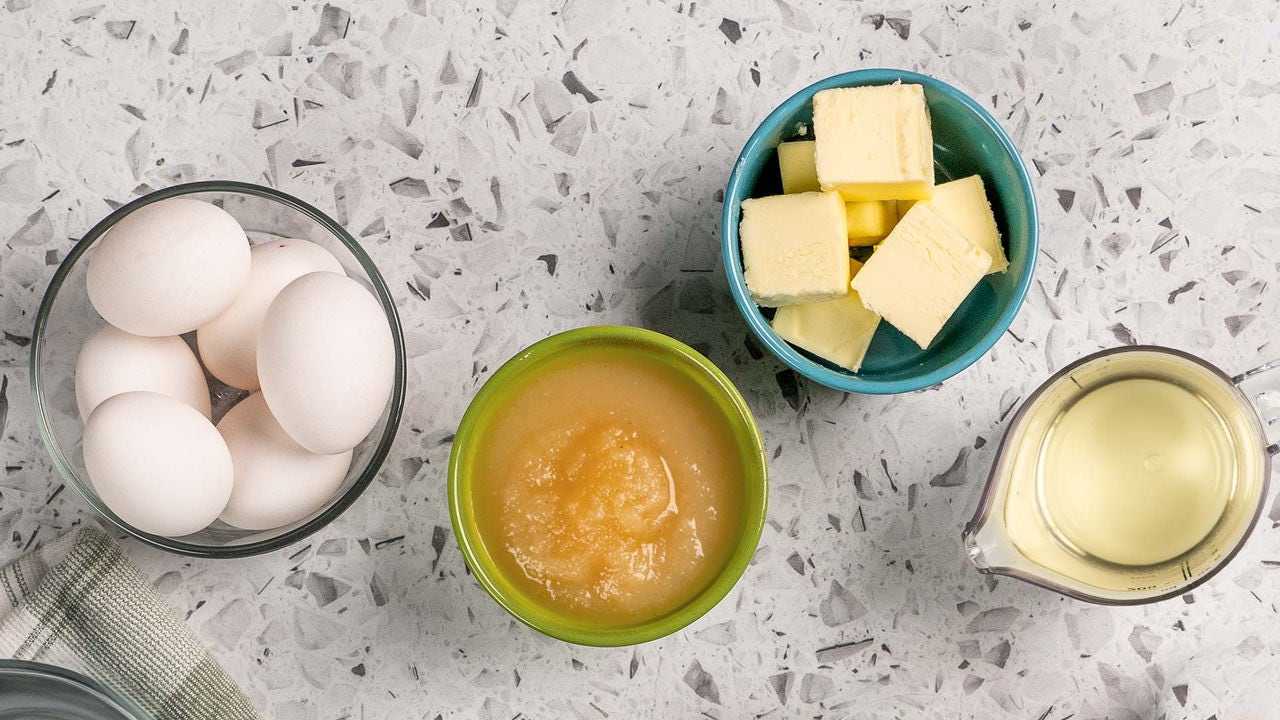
x=966, y=141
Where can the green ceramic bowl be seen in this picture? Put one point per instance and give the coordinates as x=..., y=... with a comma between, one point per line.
x=966, y=141
x=490, y=401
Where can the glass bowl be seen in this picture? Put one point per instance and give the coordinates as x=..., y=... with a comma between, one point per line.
x=66, y=318
x=31, y=690
x=966, y=141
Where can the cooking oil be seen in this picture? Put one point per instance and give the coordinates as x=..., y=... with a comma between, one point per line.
x=1126, y=476
x=1136, y=471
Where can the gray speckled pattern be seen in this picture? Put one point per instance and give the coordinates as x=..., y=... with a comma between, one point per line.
x=518, y=168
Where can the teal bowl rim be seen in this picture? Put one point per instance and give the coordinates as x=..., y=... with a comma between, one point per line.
x=754, y=514
x=757, y=145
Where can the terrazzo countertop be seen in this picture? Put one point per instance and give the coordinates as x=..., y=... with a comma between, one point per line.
x=518, y=168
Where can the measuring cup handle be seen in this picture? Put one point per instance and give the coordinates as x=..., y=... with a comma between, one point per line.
x=1261, y=386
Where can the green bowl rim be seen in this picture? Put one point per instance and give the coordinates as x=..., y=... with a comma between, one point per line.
x=756, y=146
x=396, y=409
x=754, y=514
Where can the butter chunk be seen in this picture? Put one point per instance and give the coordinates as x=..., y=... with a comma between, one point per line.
x=869, y=221
x=838, y=330
x=964, y=204
x=795, y=163
x=874, y=143
x=921, y=273
x=795, y=248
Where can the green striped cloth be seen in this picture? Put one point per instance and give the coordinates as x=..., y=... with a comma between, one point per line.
x=79, y=603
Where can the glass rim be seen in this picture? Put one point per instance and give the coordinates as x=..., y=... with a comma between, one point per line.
x=372, y=467
x=81, y=682
x=986, y=501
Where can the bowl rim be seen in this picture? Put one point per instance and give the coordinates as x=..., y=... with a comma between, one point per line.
x=396, y=409
x=756, y=471
x=85, y=686
x=729, y=241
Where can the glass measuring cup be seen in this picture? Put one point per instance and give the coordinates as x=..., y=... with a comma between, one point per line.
x=1130, y=516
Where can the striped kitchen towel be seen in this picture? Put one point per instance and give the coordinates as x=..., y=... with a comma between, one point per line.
x=79, y=603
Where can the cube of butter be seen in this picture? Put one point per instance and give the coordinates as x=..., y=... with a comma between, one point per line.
x=921, y=273
x=795, y=248
x=869, y=221
x=838, y=330
x=795, y=163
x=964, y=204
x=874, y=143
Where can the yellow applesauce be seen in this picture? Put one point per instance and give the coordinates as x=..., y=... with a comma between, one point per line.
x=608, y=486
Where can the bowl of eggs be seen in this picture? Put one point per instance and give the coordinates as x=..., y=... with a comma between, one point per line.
x=879, y=231
x=218, y=369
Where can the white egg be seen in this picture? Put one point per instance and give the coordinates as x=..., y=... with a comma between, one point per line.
x=169, y=267
x=229, y=343
x=157, y=463
x=112, y=361
x=326, y=360
x=277, y=481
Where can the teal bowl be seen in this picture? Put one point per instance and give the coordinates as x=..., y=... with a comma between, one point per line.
x=966, y=141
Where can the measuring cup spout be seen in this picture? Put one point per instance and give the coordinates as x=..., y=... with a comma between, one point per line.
x=986, y=540
x=974, y=551
x=989, y=550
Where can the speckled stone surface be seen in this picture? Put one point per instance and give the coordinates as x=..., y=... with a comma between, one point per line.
x=518, y=168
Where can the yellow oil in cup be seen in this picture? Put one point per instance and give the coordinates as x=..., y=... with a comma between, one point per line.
x=1130, y=476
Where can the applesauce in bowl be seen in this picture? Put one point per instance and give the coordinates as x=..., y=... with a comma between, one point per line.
x=607, y=486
